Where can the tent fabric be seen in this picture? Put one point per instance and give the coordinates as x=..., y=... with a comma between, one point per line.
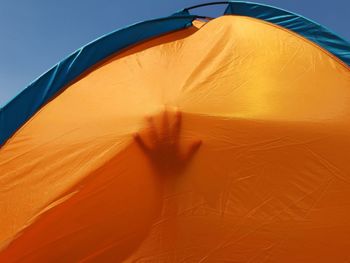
x=270, y=181
x=14, y=114
x=311, y=30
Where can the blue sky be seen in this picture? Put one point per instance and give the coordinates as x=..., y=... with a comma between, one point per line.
x=36, y=34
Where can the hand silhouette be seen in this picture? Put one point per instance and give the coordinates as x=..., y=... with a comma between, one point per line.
x=162, y=144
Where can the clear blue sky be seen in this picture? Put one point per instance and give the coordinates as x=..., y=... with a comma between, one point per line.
x=36, y=34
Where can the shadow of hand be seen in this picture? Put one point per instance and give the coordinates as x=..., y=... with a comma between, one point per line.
x=162, y=144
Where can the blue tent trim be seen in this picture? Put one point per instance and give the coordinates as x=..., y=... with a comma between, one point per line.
x=22, y=107
x=309, y=29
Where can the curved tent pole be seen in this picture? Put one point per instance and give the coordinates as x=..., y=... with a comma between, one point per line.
x=185, y=11
x=206, y=4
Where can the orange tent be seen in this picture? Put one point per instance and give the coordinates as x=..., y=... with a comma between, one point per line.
x=265, y=91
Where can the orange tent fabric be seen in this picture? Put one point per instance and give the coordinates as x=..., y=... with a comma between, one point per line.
x=270, y=182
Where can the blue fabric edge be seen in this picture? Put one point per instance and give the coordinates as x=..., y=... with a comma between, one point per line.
x=23, y=106
x=307, y=28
